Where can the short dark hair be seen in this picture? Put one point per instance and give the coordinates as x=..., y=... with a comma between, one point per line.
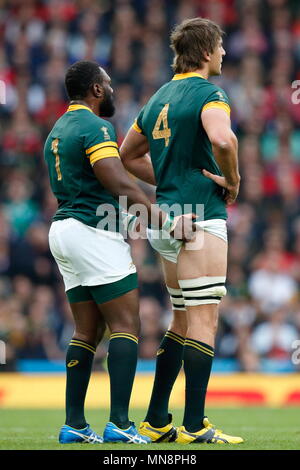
x=80, y=77
x=190, y=40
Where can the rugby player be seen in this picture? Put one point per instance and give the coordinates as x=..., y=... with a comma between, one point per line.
x=87, y=176
x=193, y=161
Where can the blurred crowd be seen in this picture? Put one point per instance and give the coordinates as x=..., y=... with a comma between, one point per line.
x=260, y=316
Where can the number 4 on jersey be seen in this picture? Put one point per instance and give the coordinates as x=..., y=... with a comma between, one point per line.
x=165, y=132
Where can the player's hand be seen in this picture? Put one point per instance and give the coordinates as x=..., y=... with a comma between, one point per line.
x=184, y=227
x=231, y=191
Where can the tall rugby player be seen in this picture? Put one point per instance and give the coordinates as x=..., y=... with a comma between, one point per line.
x=186, y=126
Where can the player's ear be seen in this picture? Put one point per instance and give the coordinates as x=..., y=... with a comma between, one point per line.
x=207, y=56
x=97, y=90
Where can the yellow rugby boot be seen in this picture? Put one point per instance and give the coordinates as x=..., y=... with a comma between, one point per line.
x=167, y=433
x=208, y=434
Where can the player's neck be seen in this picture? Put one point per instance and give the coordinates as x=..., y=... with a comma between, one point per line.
x=203, y=72
x=89, y=104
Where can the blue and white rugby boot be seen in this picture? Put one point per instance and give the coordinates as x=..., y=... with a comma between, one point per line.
x=69, y=435
x=130, y=435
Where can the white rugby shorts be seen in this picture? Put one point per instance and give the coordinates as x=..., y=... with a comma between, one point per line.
x=169, y=247
x=87, y=256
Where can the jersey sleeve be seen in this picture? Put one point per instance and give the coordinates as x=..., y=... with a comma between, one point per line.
x=100, y=142
x=217, y=99
x=137, y=125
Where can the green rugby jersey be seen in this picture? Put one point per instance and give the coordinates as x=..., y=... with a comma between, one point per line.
x=79, y=139
x=179, y=145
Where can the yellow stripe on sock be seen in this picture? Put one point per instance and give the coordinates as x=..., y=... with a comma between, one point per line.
x=82, y=342
x=79, y=341
x=170, y=332
x=121, y=333
x=75, y=342
x=89, y=348
x=171, y=335
x=199, y=347
x=175, y=339
x=84, y=347
x=124, y=335
x=194, y=343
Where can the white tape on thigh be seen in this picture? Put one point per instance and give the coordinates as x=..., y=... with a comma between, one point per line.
x=203, y=290
x=176, y=298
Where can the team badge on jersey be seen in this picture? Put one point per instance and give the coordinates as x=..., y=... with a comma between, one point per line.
x=106, y=135
x=220, y=95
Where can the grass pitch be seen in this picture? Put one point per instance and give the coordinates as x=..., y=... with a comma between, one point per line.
x=261, y=428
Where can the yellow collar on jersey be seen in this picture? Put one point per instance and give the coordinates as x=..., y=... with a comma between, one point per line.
x=182, y=76
x=74, y=107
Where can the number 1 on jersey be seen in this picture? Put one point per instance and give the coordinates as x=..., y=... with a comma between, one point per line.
x=165, y=132
x=54, y=148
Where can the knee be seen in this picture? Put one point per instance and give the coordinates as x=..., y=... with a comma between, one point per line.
x=204, y=318
x=127, y=323
x=87, y=337
x=209, y=322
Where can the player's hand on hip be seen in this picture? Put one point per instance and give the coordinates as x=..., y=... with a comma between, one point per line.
x=184, y=227
x=231, y=191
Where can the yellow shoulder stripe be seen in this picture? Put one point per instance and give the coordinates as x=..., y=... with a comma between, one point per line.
x=136, y=127
x=104, y=153
x=217, y=105
x=109, y=143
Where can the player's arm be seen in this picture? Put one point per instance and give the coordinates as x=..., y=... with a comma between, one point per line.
x=216, y=122
x=134, y=154
x=113, y=177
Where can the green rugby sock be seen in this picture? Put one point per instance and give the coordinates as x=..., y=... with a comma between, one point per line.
x=168, y=365
x=79, y=361
x=197, y=357
x=121, y=362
